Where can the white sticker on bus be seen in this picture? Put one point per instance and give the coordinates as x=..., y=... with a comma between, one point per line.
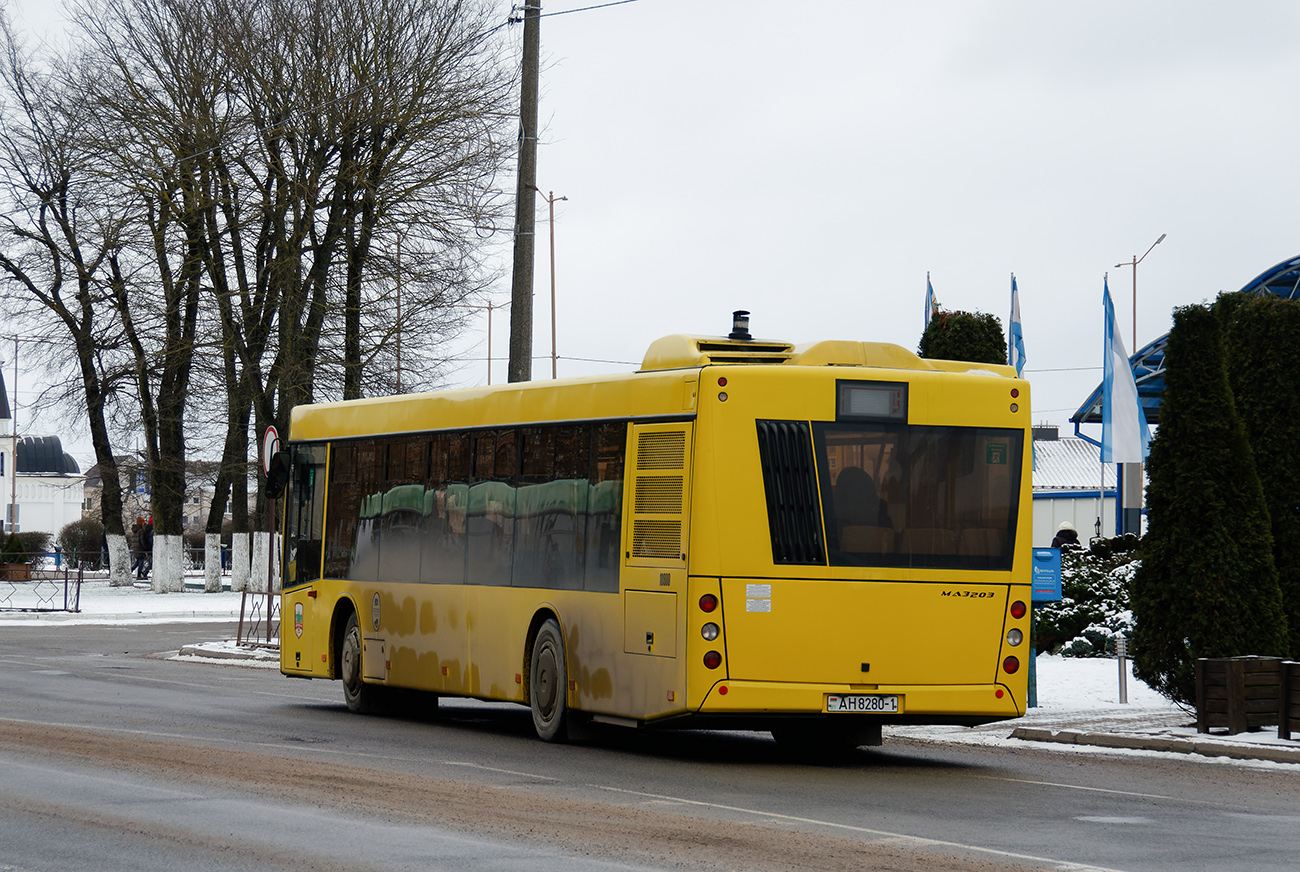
x=763, y=590
x=758, y=605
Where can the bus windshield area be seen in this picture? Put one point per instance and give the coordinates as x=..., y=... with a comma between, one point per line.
x=891, y=494
x=899, y=495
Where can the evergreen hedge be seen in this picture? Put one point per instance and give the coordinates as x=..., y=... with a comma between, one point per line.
x=1207, y=585
x=969, y=336
x=1262, y=344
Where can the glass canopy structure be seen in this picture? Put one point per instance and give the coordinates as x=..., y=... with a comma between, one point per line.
x=1149, y=362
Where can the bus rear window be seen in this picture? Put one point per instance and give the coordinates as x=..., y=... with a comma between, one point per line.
x=900, y=495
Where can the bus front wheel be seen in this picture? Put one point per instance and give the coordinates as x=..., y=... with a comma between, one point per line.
x=361, y=697
x=546, y=683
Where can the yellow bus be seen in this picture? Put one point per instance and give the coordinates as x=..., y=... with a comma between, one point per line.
x=815, y=541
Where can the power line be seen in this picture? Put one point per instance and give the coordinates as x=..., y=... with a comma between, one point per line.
x=588, y=8
x=1067, y=369
x=516, y=12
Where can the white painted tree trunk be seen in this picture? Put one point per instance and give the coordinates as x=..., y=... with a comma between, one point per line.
x=275, y=563
x=212, y=563
x=239, y=561
x=259, y=582
x=119, y=561
x=168, y=575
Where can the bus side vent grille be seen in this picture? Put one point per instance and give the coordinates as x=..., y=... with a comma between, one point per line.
x=659, y=496
x=657, y=539
x=659, y=502
x=790, y=481
x=661, y=451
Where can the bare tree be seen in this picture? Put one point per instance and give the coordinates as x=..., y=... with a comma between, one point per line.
x=161, y=109
x=63, y=228
x=303, y=191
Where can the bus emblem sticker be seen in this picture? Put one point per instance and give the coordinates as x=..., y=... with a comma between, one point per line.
x=758, y=597
x=374, y=612
x=297, y=620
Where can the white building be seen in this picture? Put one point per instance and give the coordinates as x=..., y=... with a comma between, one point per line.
x=41, y=486
x=1070, y=484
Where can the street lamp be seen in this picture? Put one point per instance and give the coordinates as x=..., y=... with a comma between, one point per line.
x=1134, y=263
x=1130, y=474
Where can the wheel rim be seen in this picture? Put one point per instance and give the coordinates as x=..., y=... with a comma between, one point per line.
x=351, y=652
x=546, y=684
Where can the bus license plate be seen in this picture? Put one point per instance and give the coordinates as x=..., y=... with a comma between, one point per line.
x=861, y=702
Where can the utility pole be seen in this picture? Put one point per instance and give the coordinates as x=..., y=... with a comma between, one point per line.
x=550, y=203
x=399, y=314
x=521, y=289
x=13, y=461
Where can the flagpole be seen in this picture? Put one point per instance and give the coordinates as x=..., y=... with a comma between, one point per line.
x=1101, y=490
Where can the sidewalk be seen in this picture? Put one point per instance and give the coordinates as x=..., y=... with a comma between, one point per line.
x=1079, y=709
x=1079, y=712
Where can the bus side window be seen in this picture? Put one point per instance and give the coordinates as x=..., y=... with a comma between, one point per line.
x=305, y=522
x=605, y=508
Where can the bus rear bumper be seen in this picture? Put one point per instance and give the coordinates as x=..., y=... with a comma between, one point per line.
x=963, y=704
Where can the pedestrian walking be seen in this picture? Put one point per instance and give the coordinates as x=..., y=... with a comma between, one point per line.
x=146, y=538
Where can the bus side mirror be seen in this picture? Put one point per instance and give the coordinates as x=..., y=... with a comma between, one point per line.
x=278, y=477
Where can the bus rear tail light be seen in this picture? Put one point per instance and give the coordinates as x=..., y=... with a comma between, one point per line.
x=1017, y=609
x=1015, y=637
x=708, y=602
x=709, y=631
x=713, y=659
x=1010, y=666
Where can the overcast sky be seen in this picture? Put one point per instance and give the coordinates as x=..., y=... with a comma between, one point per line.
x=810, y=162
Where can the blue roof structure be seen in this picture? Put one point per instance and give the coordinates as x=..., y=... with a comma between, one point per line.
x=1149, y=362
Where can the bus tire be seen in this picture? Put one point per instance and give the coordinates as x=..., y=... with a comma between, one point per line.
x=546, y=683
x=361, y=698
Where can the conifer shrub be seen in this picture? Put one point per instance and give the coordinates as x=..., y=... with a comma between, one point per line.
x=1094, y=605
x=1207, y=585
x=27, y=547
x=1262, y=345
x=971, y=336
x=13, y=550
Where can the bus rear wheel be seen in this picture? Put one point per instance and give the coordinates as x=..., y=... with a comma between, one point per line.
x=546, y=683
x=361, y=698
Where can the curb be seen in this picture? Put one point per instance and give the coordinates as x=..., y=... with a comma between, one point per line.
x=251, y=653
x=1159, y=743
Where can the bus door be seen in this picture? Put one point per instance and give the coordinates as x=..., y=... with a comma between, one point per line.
x=655, y=549
x=304, y=532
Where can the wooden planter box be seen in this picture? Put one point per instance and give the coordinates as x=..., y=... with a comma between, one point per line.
x=1288, y=714
x=15, y=572
x=1238, y=694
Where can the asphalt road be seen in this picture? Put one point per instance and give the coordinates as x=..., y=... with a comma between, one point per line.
x=114, y=757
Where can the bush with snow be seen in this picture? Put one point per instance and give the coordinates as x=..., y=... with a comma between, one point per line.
x=1094, y=608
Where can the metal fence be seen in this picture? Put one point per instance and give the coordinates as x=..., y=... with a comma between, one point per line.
x=41, y=583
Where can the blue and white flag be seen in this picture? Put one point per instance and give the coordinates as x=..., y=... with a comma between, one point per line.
x=930, y=303
x=1016, y=345
x=1124, y=433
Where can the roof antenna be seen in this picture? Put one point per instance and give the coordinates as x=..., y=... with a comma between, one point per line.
x=739, y=325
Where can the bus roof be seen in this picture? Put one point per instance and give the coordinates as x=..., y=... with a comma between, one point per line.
x=680, y=351
x=653, y=391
